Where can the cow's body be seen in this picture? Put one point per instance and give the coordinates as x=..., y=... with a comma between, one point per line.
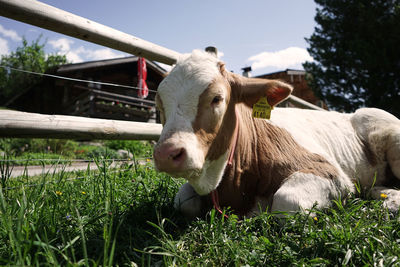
x=288, y=163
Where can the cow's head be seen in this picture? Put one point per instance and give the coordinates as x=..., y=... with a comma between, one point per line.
x=197, y=108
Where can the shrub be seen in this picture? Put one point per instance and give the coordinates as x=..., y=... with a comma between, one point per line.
x=137, y=148
x=102, y=152
x=18, y=146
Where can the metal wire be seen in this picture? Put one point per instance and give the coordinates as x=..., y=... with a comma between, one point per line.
x=69, y=160
x=73, y=79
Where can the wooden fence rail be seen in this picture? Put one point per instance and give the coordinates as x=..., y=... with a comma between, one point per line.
x=33, y=125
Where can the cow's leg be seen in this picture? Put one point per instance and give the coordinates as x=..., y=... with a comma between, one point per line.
x=301, y=191
x=381, y=131
x=390, y=197
x=188, y=202
x=390, y=136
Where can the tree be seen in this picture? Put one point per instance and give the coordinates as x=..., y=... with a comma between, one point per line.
x=356, y=48
x=26, y=57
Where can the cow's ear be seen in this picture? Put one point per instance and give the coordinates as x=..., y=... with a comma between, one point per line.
x=250, y=90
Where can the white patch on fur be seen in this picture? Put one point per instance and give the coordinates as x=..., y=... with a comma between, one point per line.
x=211, y=175
x=181, y=89
x=188, y=202
x=301, y=191
x=331, y=135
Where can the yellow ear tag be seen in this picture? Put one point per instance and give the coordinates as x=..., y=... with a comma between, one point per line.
x=262, y=109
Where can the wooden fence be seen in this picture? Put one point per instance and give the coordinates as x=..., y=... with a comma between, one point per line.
x=93, y=102
x=22, y=124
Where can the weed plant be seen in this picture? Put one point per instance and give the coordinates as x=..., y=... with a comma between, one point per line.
x=124, y=217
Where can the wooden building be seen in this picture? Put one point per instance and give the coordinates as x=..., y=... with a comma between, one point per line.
x=114, y=98
x=297, y=78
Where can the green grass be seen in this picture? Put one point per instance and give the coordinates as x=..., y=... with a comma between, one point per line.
x=34, y=151
x=125, y=216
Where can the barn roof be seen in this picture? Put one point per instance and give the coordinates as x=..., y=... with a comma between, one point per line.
x=287, y=71
x=107, y=63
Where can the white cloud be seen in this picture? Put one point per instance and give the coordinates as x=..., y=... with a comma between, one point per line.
x=73, y=57
x=4, y=50
x=13, y=35
x=102, y=53
x=80, y=54
x=283, y=59
x=62, y=44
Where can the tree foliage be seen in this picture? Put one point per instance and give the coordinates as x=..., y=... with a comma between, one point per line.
x=356, y=48
x=28, y=57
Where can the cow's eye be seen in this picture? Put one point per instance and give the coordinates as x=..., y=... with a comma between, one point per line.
x=216, y=100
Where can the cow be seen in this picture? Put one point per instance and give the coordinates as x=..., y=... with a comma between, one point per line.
x=291, y=162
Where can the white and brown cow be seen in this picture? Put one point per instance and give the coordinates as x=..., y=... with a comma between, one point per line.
x=288, y=163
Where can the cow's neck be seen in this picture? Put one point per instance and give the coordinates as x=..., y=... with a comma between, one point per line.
x=243, y=175
x=238, y=170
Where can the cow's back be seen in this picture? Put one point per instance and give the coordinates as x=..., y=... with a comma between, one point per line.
x=333, y=136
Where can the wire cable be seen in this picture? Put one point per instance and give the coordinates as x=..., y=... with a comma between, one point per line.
x=73, y=79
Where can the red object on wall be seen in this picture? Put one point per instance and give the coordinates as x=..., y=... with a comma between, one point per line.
x=143, y=91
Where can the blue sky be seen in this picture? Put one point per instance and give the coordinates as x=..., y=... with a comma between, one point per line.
x=265, y=34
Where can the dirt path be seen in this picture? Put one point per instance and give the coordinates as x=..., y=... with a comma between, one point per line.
x=50, y=169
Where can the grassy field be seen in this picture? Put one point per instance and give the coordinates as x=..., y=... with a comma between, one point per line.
x=124, y=217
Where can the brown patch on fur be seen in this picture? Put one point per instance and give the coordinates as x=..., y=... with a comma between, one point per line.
x=265, y=156
x=206, y=125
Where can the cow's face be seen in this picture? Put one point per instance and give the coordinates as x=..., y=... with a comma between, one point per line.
x=196, y=101
x=195, y=84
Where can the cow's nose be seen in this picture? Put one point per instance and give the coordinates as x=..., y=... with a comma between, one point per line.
x=169, y=158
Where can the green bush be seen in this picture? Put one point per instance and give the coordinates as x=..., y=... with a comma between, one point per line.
x=18, y=146
x=84, y=151
x=137, y=148
x=102, y=152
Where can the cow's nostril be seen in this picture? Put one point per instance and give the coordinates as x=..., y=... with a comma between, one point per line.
x=178, y=155
x=169, y=158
